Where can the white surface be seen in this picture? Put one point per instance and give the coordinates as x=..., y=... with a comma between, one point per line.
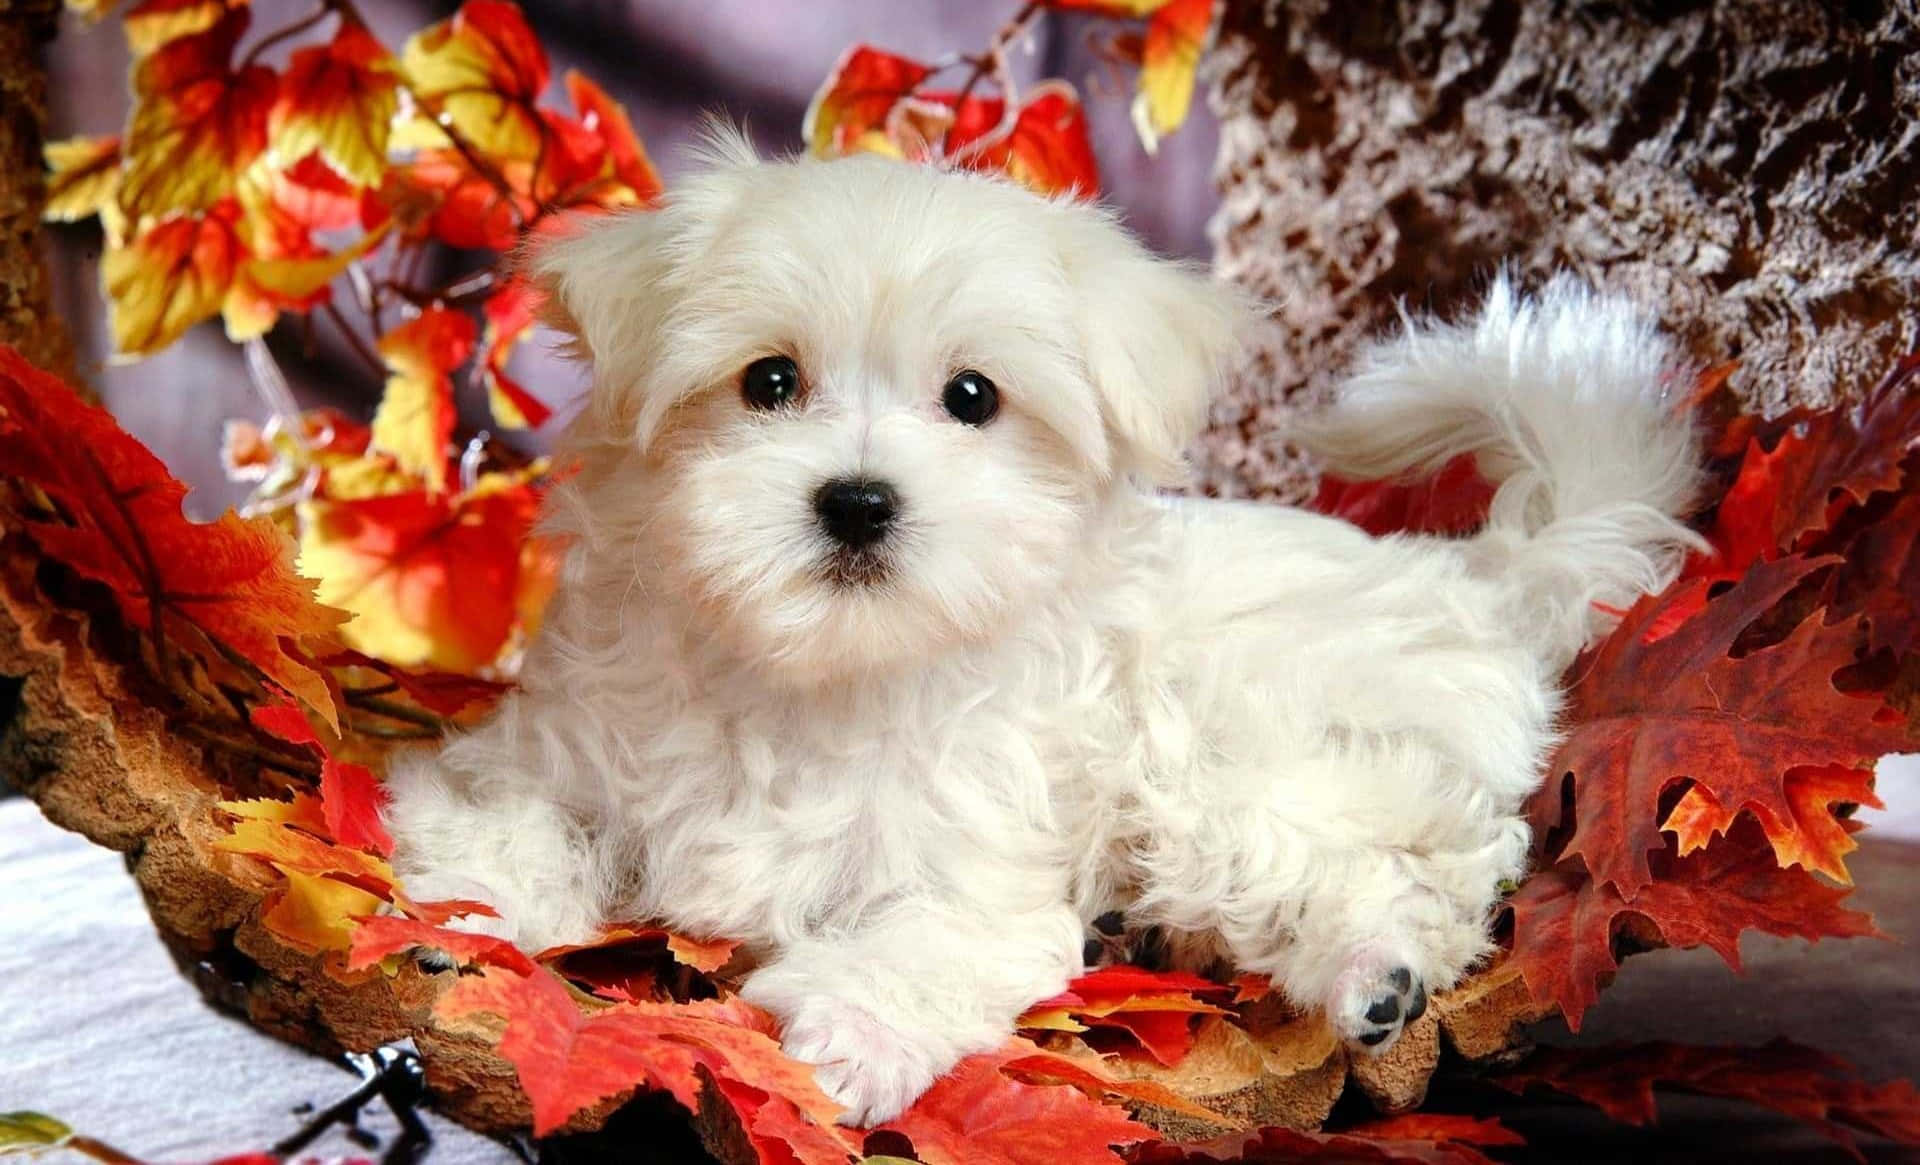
x=99, y=1030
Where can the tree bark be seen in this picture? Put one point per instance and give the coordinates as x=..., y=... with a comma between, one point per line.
x=1744, y=168
x=26, y=317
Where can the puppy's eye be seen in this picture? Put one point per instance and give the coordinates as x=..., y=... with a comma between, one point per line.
x=970, y=398
x=770, y=382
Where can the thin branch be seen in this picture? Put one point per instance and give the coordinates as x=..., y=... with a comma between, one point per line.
x=393, y=710
x=287, y=33
x=353, y=339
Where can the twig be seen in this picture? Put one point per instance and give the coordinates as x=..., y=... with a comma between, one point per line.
x=299, y=766
x=290, y=31
x=353, y=339
x=392, y=710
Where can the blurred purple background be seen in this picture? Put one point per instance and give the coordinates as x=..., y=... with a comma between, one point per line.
x=669, y=61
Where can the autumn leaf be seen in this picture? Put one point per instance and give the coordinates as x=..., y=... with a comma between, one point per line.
x=432, y=579
x=169, y=277
x=314, y=913
x=1643, y=716
x=338, y=100
x=1047, y=149
x=1156, y=1008
x=350, y=798
x=509, y=313
x=376, y=937
x=1799, y=1082
x=1845, y=455
x=152, y=24
x=442, y=693
x=1809, y=836
x=1176, y=36
x=569, y=1058
x=83, y=177
x=119, y=523
x=634, y=182
x=416, y=414
x=849, y=112
x=480, y=73
x=197, y=122
x=977, y=1114
x=1565, y=921
x=1452, y=501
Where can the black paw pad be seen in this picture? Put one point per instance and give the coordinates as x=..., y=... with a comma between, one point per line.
x=1397, y=1000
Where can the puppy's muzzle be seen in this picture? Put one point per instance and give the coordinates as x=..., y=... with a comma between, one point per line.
x=856, y=514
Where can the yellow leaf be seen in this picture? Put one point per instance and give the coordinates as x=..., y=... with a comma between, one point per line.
x=481, y=72
x=169, y=277
x=84, y=174
x=197, y=122
x=339, y=99
x=155, y=23
x=415, y=419
x=1175, y=39
x=316, y=914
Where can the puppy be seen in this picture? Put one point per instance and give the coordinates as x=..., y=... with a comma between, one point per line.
x=876, y=649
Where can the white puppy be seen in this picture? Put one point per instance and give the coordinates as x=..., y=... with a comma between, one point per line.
x=876, y=649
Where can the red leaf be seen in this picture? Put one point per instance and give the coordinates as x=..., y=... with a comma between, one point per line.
x=1565, y=921
x=1847, y=454
x=1643, y=716
x=509, y=313
x=1452, y=501
x=1810, y=836
x=856, y=98
x=1802, y=1083
x=350, y=798
x=197, y=121
x=978, y=1115
x=231, y=580
x=1156, y=1008
x=416, y=414
x=569, y=1059
x=376, y=937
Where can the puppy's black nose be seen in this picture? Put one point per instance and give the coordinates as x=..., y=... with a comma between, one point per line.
x=856, y=513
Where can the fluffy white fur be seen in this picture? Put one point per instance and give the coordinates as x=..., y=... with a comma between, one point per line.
x=1294, y=746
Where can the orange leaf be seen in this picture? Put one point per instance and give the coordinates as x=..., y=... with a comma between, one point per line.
x=569, y=1059
x=853, y=103
x=637, y=181
x=979, y=1115
x=230, y=580
x=197, y=122
x=1809, y=835
x=509, y=313
x=288, y=847
x=376, y=937
x=1176, y=37
x=431, y=580
x=481, y=71
x=339, y=100
x=1156, y=1008
x=416, y=414
x=152, y=24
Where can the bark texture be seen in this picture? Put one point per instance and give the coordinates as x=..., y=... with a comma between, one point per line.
x=1744, y=168
x=26, y=319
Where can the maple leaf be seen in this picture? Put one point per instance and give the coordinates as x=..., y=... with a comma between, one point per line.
x=1879, y=577
x=1047, y=147
x=1807, y=1085
x=1414, y=1139
x=378, y=936
x=1176, y=36
x=416, y=415
x=1643, y=716
x=850, y=109
x=633, y=180
x=83, y=177
x=704, y=955
x=509, y=313
x=978, y=1114
x=120, y=524
x=1451, y=501
x=569, y=1058
x=1846, y=455
x=480, y=73
x=338, y=100
x=1156, y=1008
x=433, y=580
x=1565, y=921
x=350, y=797
x=197, y=121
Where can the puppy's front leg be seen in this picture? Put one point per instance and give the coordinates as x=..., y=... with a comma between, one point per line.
x=884, y=1010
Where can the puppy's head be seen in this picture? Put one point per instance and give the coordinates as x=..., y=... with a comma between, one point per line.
x=859, y=411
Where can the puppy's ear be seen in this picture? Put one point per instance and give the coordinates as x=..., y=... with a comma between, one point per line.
x=1157, y=336
x=611, y=282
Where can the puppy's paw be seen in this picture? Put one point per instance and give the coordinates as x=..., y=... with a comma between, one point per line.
x=866, y=1067
x=1374, y=1000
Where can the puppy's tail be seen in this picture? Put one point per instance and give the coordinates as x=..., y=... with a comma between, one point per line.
x=1563, y=402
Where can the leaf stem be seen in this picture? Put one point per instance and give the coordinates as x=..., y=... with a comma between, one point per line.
x=286, y=33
